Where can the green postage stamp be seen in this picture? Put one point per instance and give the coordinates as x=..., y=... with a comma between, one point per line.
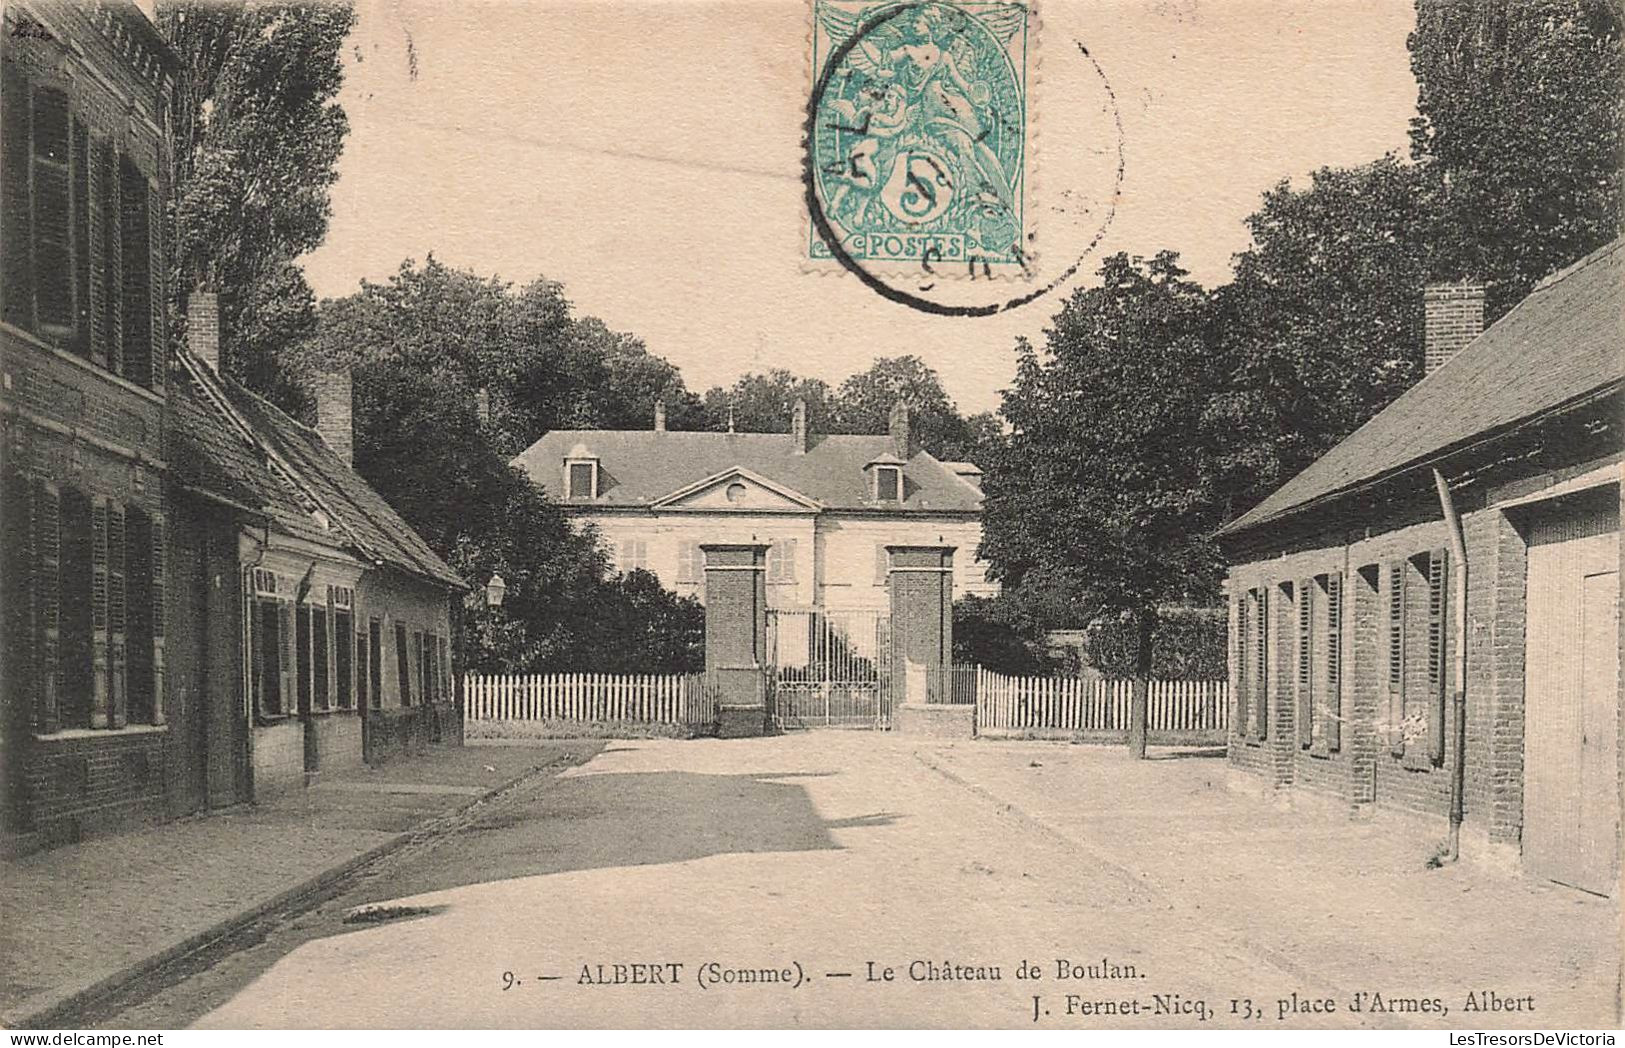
x=917, y=142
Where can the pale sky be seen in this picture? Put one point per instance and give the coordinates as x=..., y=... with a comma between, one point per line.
x=646, y=153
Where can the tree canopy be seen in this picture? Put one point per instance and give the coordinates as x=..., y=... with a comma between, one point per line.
x=257, y=138
x=1105, y=483
x=1520, y=114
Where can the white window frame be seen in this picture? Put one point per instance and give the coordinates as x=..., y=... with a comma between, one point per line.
x=878, y=497
x=569, y=485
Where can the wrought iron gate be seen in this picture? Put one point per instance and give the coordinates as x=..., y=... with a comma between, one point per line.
x=829, y=668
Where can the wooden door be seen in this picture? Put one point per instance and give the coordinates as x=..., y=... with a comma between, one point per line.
x=1571, y=708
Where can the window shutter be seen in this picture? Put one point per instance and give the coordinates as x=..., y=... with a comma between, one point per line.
x=284, y=647
x=136, y=290
x=156, y=339
x=1261, y=682
x=790, y=560
x=81, y=238
x=1334, y=661
x=109, y=334
x=1243, y=669
x=53, y=209
x=47, y=543
x=99, y=707
x=117, y=693
x=16, y=262
x=1438, y=674
x=1306, y=685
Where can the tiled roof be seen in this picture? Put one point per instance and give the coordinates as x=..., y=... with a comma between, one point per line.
x=1559, y=345
x=638, y=467
x=229, y=442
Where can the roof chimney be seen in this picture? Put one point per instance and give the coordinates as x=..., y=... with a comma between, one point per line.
x=901, y=427
x=798, y=427
x=333, y=413
x=1453, y=315
x=203, y=327
x=660, y=416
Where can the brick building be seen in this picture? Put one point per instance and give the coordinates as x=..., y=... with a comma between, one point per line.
x=1358, y=613
x=313, y=605
x=827, y=506
x=89, y=729
x=199, y=599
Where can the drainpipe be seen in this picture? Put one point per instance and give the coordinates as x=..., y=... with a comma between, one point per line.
x=1451, y=850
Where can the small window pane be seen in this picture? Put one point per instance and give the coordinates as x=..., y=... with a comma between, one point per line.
x=888, y=484
x=581, y=480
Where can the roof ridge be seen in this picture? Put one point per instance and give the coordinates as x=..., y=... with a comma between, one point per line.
x=264, y=402
x=1560, y=275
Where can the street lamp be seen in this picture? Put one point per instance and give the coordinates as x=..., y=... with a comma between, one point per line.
x=494, y=591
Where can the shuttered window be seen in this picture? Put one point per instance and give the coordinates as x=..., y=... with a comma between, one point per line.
x=1243, y=663
x=141, y=705
x=135, y=270
x=1305, y=685
x=781, y=561
x=344, y=645
x=1438, y=673
x=320, y=680
x=690, y=566
x=302, y=667
x=109, y=344
x=1261, y=680
x=75, y=607
x=1332, y=703
x=375, y=664
x=117, y=617
x=52, y=189
x=16, y=242
x=81, y=238
x=403, y=665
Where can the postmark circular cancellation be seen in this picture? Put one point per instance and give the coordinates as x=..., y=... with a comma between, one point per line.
x=921, y=139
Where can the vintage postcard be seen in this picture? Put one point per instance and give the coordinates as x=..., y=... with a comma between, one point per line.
x=1069, y=515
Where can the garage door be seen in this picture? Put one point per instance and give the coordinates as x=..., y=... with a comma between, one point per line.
x=1571, y=710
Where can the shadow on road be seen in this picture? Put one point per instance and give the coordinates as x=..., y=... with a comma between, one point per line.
x=575, y=822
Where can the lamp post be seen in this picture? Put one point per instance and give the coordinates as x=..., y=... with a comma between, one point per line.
x=495, y=589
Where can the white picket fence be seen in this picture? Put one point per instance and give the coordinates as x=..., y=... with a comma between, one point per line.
x=1186, y=709
x=589, y=697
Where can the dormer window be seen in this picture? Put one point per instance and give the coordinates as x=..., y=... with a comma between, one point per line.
x=580, y=474
x=888, y=484
x=885, y=479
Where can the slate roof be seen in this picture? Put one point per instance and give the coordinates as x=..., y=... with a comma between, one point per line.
x=224, y=440
x=638, y=467
x=1559, y=345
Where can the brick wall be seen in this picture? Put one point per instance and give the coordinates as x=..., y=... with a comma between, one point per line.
x=1366, y=770
x=82, y=783
x=1453, y=315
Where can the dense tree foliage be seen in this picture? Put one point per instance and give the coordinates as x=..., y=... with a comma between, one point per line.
x=257, y=137
x=1105, y=484
x=1521, y=108
x=422, y=346
x=1321, y=325
x=762, y=402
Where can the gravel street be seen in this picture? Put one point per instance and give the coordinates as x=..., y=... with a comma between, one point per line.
x=851, y=879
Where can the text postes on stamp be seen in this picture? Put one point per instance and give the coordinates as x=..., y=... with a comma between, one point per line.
x=918, y=137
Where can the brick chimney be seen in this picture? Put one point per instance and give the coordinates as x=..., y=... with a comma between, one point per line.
x=660, y=416
x=905, y=443
x=1453, y=315
x=203, y=327
x=798, y=427
x=333, y=413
